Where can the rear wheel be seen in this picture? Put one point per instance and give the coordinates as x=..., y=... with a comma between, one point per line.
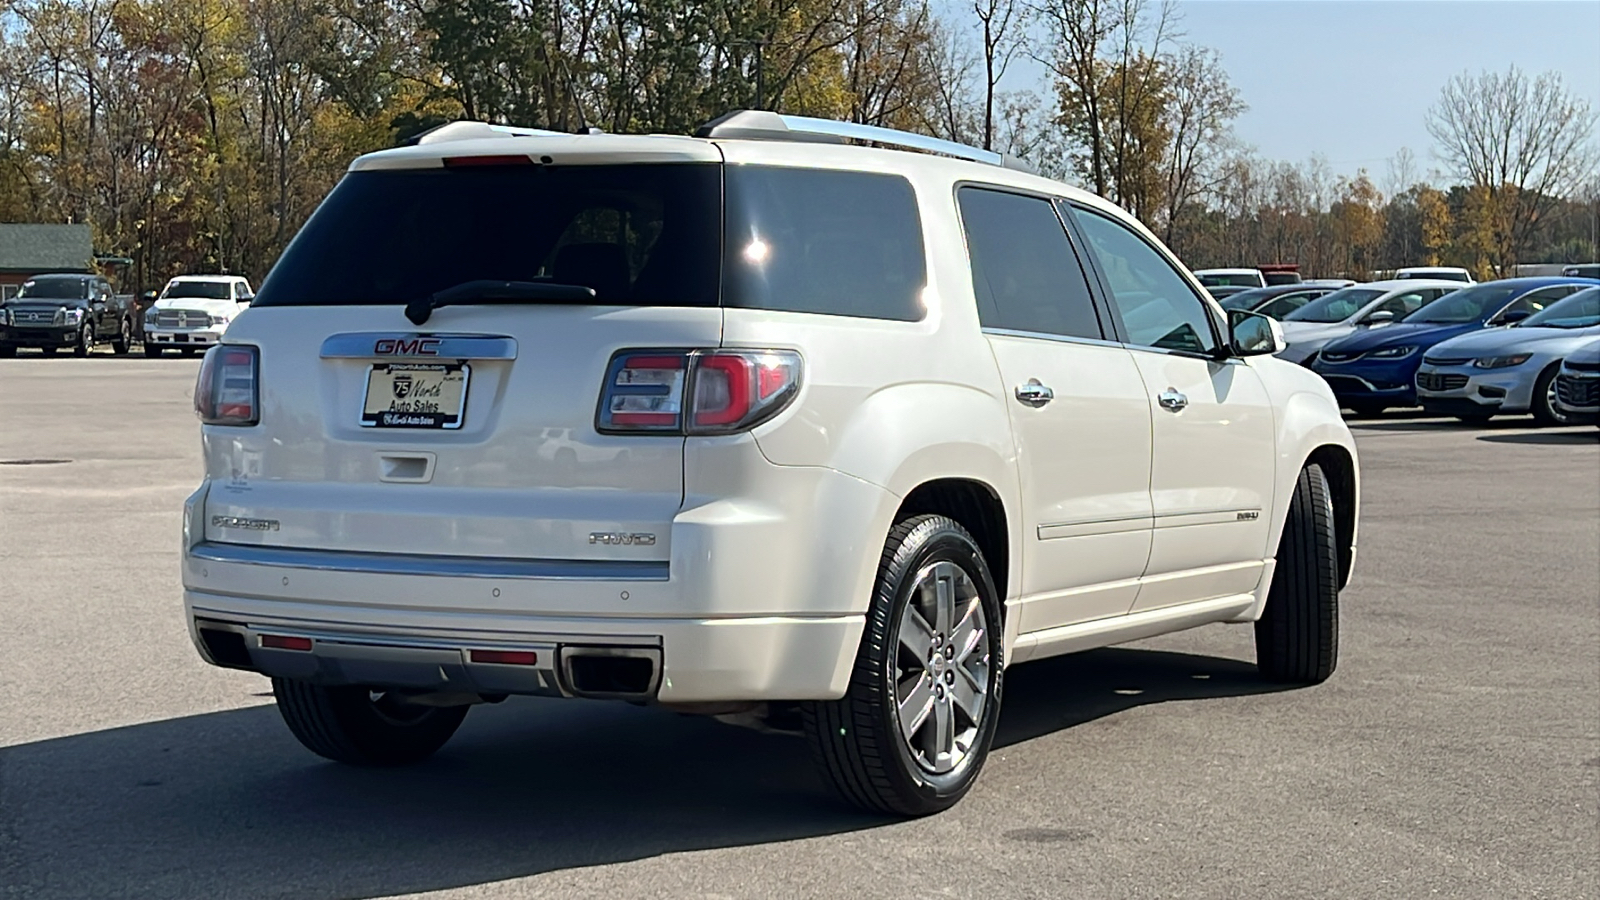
x=362, y=726
x=912, y=731
x=123, y=342
x=1544, y=400
x=1297, y=637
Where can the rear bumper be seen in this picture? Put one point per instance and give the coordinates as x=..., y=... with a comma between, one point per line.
x=700, y=660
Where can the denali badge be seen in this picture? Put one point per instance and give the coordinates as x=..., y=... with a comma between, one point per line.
x=422, y=346
x=250, y=524
x=1249, y=515
x=642, y=539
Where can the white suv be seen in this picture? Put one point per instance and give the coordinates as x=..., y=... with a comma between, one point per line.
x=193, y=311
x=745, y=424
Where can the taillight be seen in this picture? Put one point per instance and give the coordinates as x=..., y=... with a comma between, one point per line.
x=695, y=391
x=226, y=392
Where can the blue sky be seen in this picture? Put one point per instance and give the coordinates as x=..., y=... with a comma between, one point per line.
x=1354, y=80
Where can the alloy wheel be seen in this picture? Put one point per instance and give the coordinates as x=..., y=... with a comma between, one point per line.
x=941, y=679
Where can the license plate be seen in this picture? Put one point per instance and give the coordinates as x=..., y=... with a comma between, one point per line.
x=415, y=395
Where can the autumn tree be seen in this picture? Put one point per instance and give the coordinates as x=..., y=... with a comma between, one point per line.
x=1521, y=142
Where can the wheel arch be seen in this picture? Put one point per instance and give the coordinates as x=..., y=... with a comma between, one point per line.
x=978, y=508
x=1339, y=467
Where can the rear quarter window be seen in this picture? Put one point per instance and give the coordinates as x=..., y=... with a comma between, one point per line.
x=822, y=241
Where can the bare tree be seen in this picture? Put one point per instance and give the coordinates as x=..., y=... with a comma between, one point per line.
x=1402, y=175
x=1002, y=25
x=1202, y=106
x=1524, y=143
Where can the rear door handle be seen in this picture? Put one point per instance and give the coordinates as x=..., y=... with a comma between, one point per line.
x=1034, y=394
x=1172, y=400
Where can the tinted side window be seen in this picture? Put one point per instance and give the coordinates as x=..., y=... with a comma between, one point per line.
x=1403, y=305
x=1024, y=271
x=1158, y=308
x=820, y=241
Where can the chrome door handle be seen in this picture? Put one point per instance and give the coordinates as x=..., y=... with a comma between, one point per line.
x=1034, y=393
x=1172, y=400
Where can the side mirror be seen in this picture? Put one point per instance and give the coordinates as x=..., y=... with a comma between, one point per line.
x=149, y=295
x=1381, y=317
x=1514, y=316
x=1252, y=334
x=247, y=299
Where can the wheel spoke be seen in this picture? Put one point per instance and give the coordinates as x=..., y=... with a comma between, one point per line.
x=968, y=692
x=916, y=705
x=968, y=634
x=945, y=600
x=944, y=735
x=916, y=635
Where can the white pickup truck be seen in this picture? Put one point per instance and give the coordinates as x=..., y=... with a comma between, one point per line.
x=193, y=311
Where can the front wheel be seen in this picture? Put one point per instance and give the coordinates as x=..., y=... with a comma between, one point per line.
x=7, y=351
x=152, y=350
x=363, y=726
x=123, y=342
x=1297, y=636
x=1545, y=412
x=914, y=727
x=85, y=340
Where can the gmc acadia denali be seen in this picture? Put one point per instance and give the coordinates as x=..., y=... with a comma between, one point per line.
x=760, y=423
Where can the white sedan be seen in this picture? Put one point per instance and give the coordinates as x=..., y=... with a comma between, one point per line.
x=1344, y=312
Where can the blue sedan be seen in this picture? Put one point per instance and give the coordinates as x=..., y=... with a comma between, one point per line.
x=1376, y=369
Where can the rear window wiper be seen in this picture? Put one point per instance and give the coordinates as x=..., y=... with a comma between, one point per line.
x=492, y=291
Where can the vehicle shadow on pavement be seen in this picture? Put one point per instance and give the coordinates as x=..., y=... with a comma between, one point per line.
x=1584, y=438
x=227, y=804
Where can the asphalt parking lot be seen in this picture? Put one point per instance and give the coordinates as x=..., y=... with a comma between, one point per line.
x=1456, y=752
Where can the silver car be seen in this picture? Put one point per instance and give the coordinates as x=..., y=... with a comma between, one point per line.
x=1344, y=312
x=1511, y=370
x=1578, y=384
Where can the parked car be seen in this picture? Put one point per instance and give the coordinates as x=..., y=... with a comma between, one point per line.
x=1223, y=291
x=1330, y=282
x=863, y=477
x=1375, y=370
x=1584, y=270
x=193, y=311
x=1280, y=273
x=54, y=312
x=1276, y=301
x=1348, y=310
x=1246, y=278
x=1578, y=384
x=1508, y=370
x=1447, y=273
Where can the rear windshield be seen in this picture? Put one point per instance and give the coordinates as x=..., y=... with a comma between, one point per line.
x=54, y=289
x=1232, y=279
x=803, y=240
x=201, y=290
x=1336, y=307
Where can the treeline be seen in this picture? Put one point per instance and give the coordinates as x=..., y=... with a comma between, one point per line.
x=197, y=135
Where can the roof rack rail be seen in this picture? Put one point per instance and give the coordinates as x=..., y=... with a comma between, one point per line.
x=467, y=130
x=763, y=125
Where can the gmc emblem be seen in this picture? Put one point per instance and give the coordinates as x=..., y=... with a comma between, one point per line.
x=403, y=347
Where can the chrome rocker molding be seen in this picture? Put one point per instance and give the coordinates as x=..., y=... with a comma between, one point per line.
x=439, y=566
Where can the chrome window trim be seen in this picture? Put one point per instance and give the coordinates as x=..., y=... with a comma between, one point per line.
x=430, y=565
x=1046, y=336
x=360, y=345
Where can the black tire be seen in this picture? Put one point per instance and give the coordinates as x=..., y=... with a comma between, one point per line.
x=189, y=351
x=47, y=351
x=152, y=350
x=123, y=342
x=1544, y=412
x=1474, y=420
x=8, y=351
x=857, y=740
x=1297, y=637
x=346, y=724
x=1367, y=410
x=85, y=340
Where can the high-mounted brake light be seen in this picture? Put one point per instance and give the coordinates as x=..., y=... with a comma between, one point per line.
x=695, y=391
x=226, y=391
x=508, y=159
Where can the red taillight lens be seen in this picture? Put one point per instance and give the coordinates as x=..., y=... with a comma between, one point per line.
x=226, y=392
x=285, y=642
x=506, y=657
x=696, y=391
